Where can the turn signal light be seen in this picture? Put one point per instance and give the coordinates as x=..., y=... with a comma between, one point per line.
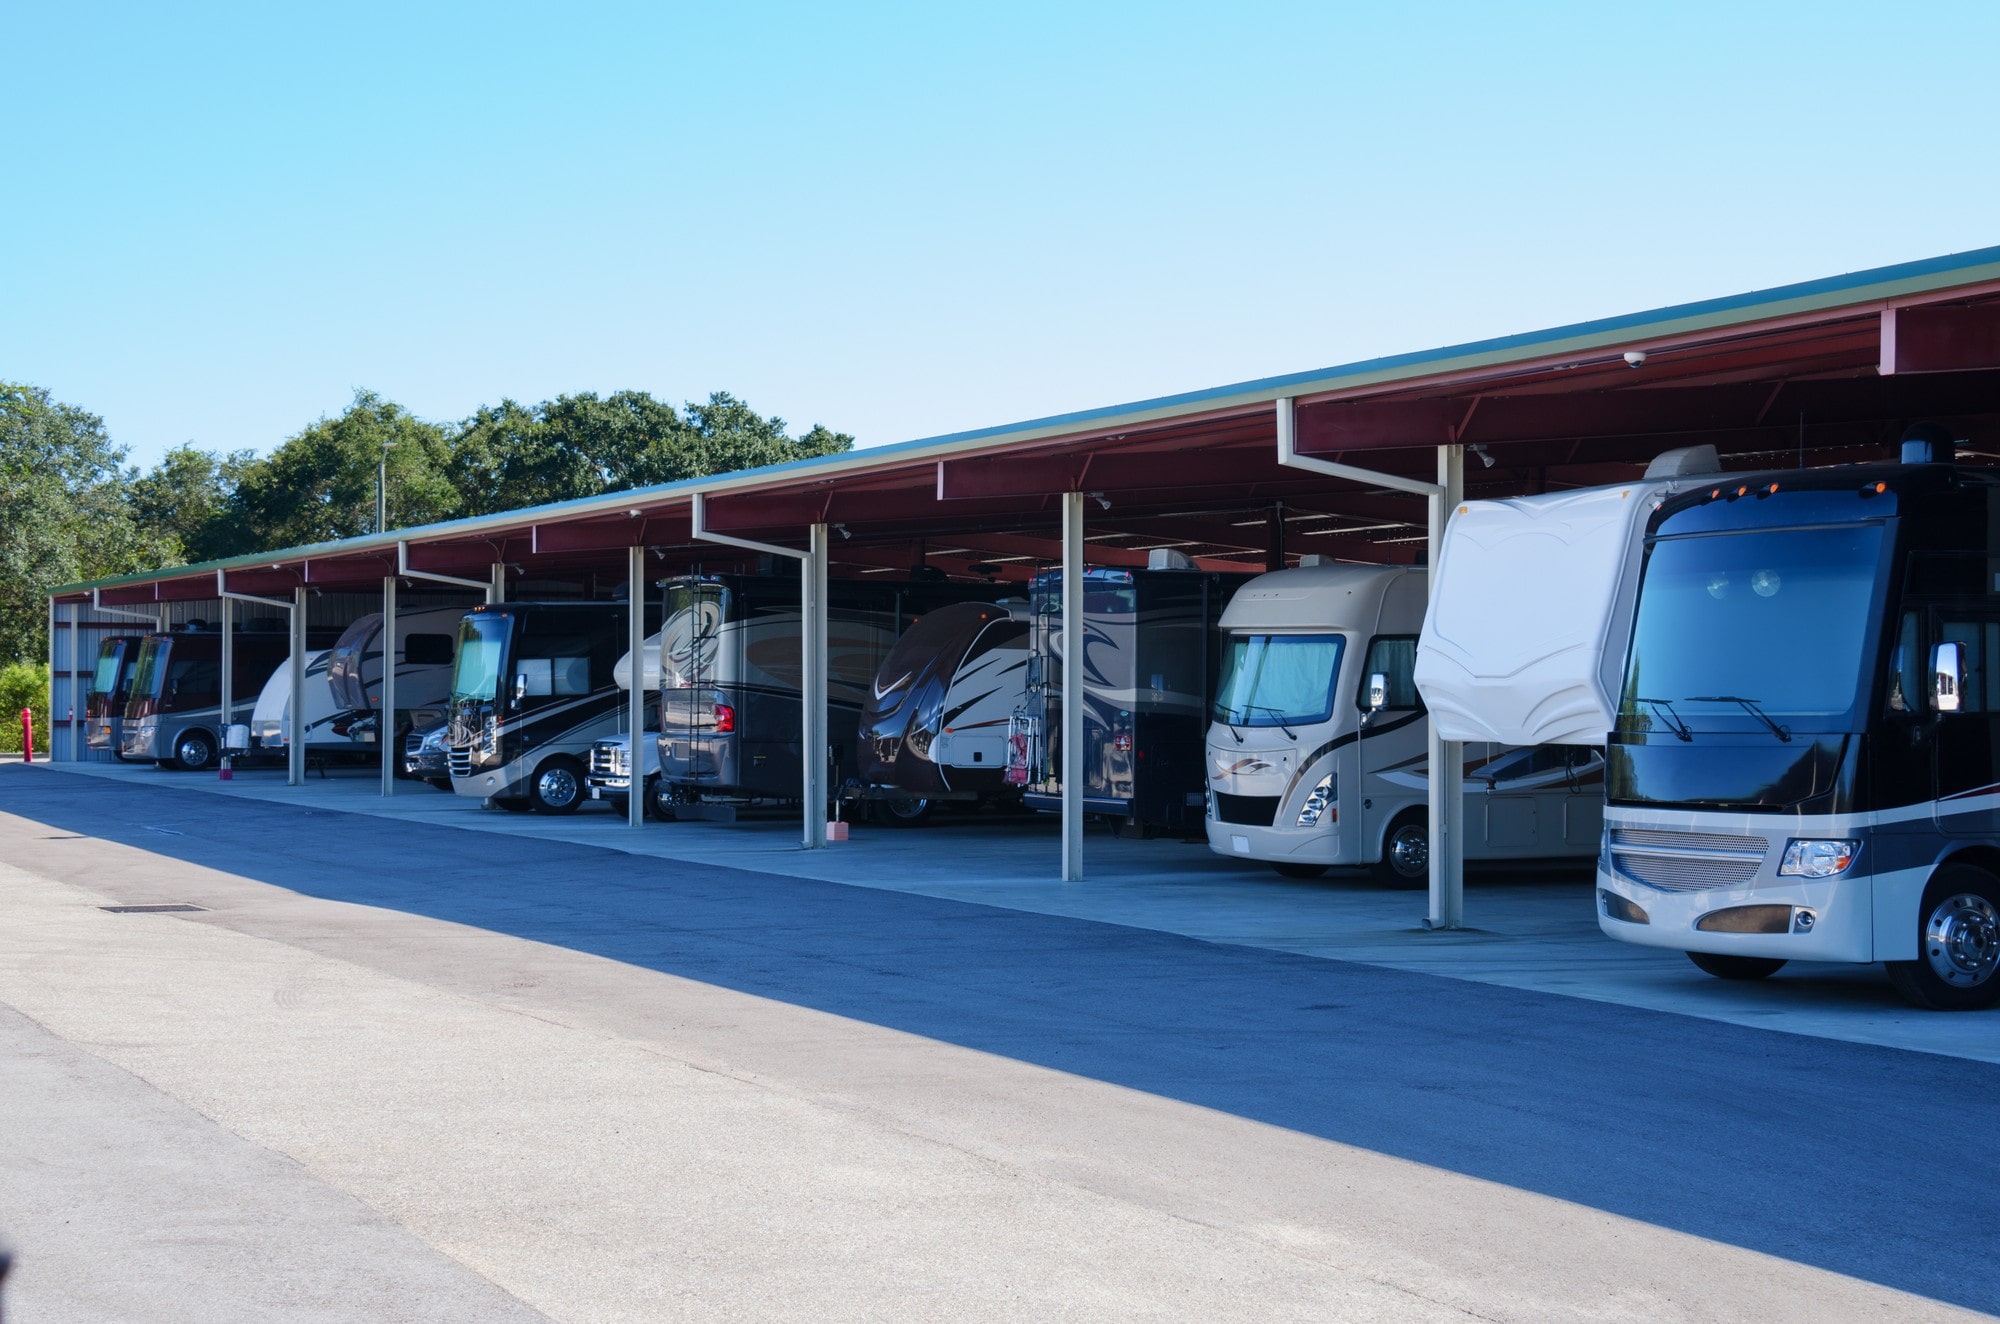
x=725, y=719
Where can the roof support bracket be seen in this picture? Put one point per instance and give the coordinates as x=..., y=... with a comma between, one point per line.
x=699, y=525
x=126, y=612
x=222, y=591
x=1288, y=455
x=403, y=571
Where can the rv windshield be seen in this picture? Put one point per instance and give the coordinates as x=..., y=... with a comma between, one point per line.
x=105, y=679
x=1278, y=679
x=695, y=613
x=152, y=668
x=1753, y=631
x=482, y=645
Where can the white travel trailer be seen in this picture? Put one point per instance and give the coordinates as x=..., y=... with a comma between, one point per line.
x=271, y=719
x=1317, y=752
x=426, y=641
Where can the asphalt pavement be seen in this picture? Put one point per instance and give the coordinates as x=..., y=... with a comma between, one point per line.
x=523, y=1075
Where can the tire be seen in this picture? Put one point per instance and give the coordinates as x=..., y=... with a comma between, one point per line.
x=194, y=751
x=903, y=811
x=557, y=786
x=661, y=799
x=1958, y=943
x=1299, y=870
x=1406, y=852
x=1736, y=967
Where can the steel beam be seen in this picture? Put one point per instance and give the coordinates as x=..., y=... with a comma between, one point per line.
x=635, y=699
x=385, y=721
x=228, y=673
x=1291, y=458
x=812, y=683
x=1072, y=687
x=496, y=587
x=295, y=745
x=1940, y=338
x=1447, y=757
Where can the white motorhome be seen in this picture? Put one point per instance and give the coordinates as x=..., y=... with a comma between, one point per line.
x=1794, y=670
x=1318, y=747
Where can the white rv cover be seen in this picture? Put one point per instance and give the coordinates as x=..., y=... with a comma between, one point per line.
x=621, y=671
x=1530, y=611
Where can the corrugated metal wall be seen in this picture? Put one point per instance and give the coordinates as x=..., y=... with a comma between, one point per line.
x=69, y=672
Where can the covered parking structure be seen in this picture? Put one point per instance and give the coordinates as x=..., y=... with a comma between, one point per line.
x=1363, y=462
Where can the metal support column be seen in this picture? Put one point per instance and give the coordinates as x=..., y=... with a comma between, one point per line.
x=76, y=668
x=812, y=656
x=49, y=750
x=1447, y=757
x=385, y=721
x=812, y=682
x=496, y=590
x=635, y=711
x=295, y=744
x=1072, y=687
x=228, y=674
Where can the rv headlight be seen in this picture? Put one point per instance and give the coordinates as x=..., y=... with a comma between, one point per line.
x=1318, y=803
x=1818, y=859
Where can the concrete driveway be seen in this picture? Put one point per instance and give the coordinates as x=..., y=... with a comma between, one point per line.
x=398, y=1069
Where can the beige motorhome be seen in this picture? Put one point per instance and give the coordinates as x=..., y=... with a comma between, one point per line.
x=1318, y=740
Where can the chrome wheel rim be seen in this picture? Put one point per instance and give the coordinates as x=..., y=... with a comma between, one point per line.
x=906, y=807
x=557, y=787
x=192, y=752
x=1409, y=853
x=1962, y=940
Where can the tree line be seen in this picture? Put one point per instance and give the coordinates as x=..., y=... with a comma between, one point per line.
x=71, y=509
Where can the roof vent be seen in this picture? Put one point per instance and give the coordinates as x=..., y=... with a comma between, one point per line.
x=1311, y=558
x=1685, y=462
x=1168, y=558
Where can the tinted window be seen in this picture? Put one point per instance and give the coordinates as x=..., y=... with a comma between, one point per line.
x=1394, y=658
x=1278, y=679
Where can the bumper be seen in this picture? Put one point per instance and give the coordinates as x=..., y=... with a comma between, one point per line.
x=1808, y=919
x=1310, y=845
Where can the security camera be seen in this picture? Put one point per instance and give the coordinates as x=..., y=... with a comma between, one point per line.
x=1634, y=357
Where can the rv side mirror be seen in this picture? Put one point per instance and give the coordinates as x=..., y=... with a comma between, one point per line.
x=520, y=686
x=1947, y=676
x=1378, y=692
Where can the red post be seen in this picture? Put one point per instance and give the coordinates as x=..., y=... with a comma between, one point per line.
x=27, y=735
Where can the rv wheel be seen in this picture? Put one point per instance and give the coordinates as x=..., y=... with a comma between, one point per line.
x=1735, y=967
x=1406, y=852
x=193, y=751
x=904, y=810
x=1958, y=943
x=662, y=799
x=557, y=787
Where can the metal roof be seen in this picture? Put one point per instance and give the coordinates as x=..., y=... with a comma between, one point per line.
x=1555, y=352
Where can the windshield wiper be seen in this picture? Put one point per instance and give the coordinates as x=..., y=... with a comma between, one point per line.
x=1276, y=714
x=1669, y=716
x=1748, y=706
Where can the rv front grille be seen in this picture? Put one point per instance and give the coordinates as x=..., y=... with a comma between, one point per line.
x=1246, y=810
x=461, y=763
x=1685, y=861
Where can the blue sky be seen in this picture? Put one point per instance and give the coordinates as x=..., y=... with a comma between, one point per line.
x=903, y=220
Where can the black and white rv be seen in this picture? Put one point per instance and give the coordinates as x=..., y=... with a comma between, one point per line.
x=935, y=722
x=532, y=688
x=425, y=640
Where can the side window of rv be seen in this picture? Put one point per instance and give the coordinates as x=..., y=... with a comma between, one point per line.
x=554, y=665
x=1394, y=657
x=1906, y=667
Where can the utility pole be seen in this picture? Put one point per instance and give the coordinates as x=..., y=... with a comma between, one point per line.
x=382, y=490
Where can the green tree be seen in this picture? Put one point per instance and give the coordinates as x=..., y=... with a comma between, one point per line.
x=63, y=513
x=190, y=495
x=511, y=456
x=319, y=485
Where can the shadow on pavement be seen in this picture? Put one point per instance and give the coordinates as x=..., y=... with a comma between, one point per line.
x=1848, y=1157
